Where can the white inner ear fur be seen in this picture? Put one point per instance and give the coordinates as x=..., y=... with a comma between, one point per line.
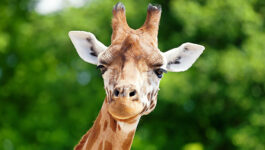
x=87, y=46
x=182, y=58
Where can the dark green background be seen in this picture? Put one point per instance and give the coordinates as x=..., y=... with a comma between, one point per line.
x=49, y=97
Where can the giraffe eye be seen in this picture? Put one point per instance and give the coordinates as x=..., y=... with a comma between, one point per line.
x=102, y=69
x=159, y=72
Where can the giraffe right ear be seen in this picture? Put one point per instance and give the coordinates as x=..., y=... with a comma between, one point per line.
x=182, y=57
x=87, y=46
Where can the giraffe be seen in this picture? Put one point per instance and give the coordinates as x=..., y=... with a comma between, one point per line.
x=131, y=67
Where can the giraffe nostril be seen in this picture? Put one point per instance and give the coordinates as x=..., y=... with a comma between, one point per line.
x=132, y=93
x=116, y=92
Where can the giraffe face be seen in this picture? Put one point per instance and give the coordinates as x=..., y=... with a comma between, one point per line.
x=132, y=69
x=132, y=66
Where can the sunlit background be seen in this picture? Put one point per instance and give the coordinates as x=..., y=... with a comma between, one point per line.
x=49, y=97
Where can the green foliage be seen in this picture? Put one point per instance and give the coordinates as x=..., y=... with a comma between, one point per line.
x=49, y=97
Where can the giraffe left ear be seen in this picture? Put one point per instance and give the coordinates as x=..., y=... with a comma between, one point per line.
x=181, y=58
x=87, y=46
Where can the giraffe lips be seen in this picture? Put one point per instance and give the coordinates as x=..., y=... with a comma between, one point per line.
x=123, y=108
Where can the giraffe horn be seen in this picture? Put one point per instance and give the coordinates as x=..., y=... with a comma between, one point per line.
x=152, y=20
x=119, y=22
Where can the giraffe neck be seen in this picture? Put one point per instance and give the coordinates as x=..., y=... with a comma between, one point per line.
x=108, y=133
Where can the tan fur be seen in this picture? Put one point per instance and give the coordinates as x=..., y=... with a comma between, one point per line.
x=100, y=146
x=128, y=141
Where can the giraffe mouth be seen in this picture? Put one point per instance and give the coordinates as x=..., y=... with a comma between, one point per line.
x=123, y=109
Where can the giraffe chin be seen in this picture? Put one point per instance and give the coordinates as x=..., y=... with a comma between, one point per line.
x=124, y=109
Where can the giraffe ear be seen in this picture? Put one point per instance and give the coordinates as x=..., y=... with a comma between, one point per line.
x=87, y=46
x=181, y=58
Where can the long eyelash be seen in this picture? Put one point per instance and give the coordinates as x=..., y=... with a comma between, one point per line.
x=159, y=72
x=100, y=66
x=163, y=70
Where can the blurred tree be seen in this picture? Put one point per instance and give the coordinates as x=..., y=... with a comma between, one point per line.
x=49, y=97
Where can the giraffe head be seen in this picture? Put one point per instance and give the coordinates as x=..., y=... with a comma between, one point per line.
x=132, y=66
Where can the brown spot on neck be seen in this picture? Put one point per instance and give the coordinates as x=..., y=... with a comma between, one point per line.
x=113, y=124
x=128, y=141
x=105, y=125
x=95, y=131
x=119, y=127
x=107, y=145
x=100, y=147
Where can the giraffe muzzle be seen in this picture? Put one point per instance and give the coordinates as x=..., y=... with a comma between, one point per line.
x=124, y=108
